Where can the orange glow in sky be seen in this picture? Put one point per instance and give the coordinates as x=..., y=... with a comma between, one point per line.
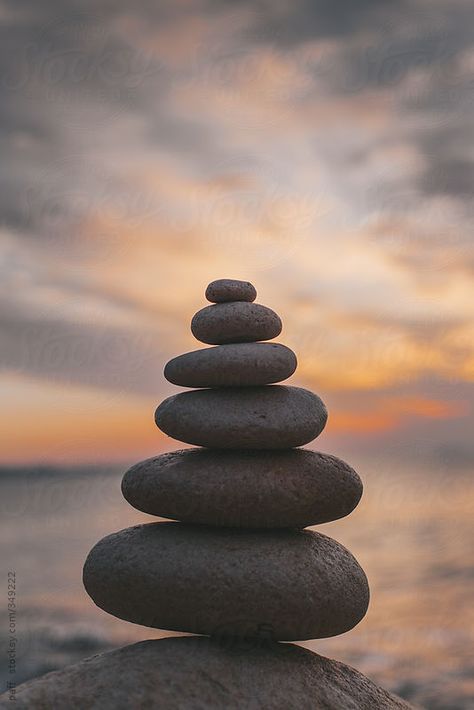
x=215, y=149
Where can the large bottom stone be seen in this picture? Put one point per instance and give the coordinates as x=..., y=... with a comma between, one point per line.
x=286, y=585
x=261, y=489
x=196, y=674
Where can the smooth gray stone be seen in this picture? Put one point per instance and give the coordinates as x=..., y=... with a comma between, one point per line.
x=195, y=673
x=267, y=489
x=286, y=585
x=232, y=365
x=235, y=322
x=224, y=290
x=269, y=417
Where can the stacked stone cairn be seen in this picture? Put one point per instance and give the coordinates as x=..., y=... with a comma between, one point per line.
x=238, y=568
x=246, y=568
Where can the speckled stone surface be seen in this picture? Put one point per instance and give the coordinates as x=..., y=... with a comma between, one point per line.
x=269, y=417
x=224, y=290
x=283, y=584
x=194, y=673
x=290, y=488
x=232, y=365
x=236, y=322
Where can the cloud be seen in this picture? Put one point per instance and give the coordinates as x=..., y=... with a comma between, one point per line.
x=392, y=413
x=110, y=358
x=452, y=176
x=290, y=24
x=317, y=148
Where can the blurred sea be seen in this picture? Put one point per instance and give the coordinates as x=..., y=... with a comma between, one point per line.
x=412, y=533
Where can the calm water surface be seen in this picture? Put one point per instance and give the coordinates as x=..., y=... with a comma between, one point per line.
x=412, y=533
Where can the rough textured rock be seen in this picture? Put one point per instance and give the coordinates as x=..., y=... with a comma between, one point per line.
x=283, y=584
x=232, y=365
x=239, y=322
x=224, y=290
x=267, y=489
x=269, y=417
x=193, y=673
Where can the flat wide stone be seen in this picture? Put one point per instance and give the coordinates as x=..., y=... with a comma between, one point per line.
x=236, y=322
x=233, y=365
x=194, y=673
x=224, y=290
x=281, y=584
x=267, y=489
x=270, y=417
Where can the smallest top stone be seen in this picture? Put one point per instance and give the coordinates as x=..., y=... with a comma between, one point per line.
x=224, y=290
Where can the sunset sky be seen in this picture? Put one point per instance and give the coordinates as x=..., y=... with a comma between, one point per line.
x=322, y=150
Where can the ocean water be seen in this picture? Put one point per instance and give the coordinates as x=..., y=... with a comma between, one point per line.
x=412, y=533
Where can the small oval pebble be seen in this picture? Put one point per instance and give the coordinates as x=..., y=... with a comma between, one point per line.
x=267, y=489
x=236, y=322
x=285, y=584
x=232, y=365
x=269, y=417
x=224, y=290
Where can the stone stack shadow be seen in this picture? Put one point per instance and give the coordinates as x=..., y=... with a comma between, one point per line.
x=238, y=564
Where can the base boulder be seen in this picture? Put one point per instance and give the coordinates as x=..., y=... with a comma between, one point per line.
x=194, y=673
